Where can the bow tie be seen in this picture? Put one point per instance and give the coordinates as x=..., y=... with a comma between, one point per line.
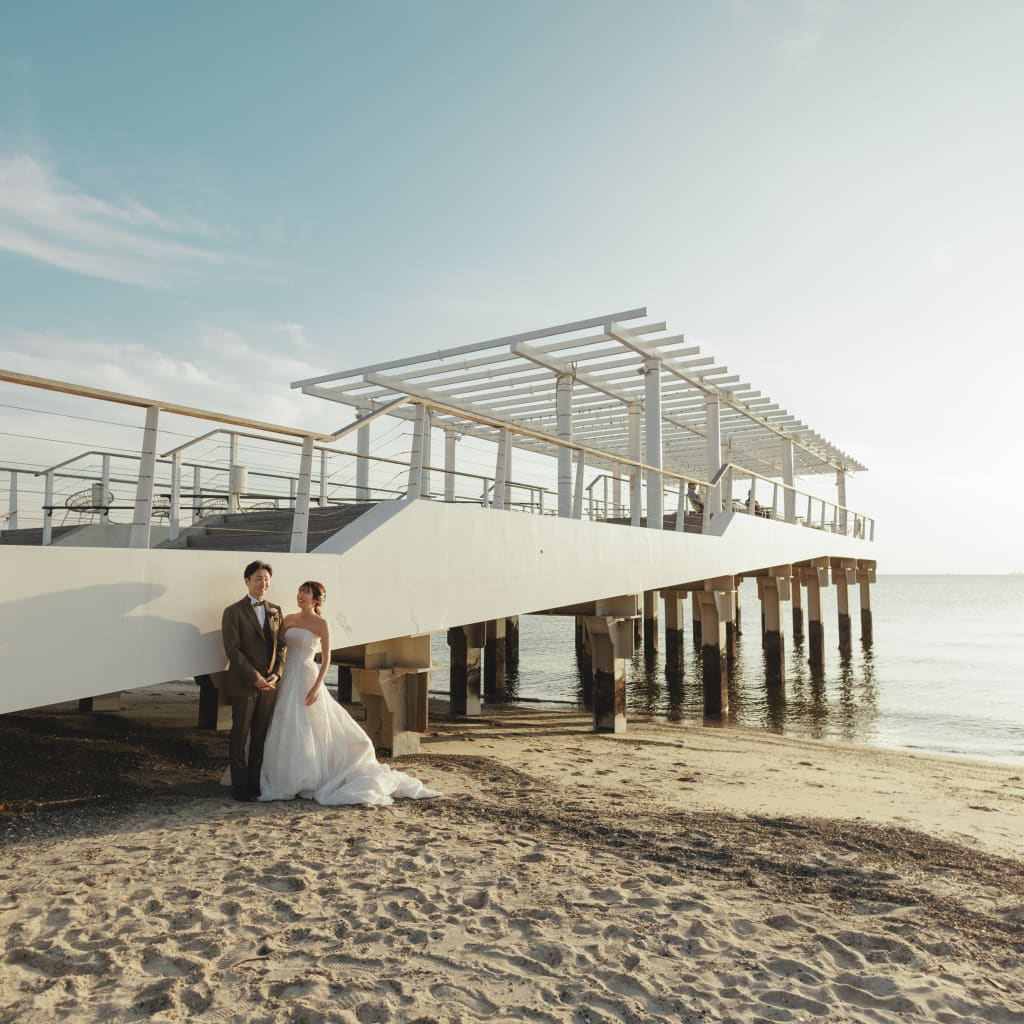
x=258, y=604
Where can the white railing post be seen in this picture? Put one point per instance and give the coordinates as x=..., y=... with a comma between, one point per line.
x=501, y=471
x=363, y=463
x=174, y=513
x=323, y=478
x=775, y=502
x=841, y=499
x=713, y=450
x=300, y=518
x=428, y=435
x=681, y=508
x=485, y=497
x=789, y=499
x=197, y=491
x=617, y=491
x=143, y=514
x=577, y=498
x=808, y=510
x=48, y=507
x=234, y=476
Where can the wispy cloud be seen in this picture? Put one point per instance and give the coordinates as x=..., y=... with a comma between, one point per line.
x=807, y=35
x=48, y=219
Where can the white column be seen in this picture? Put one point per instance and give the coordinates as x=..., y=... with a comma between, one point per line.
x=234, y=479
x=713, y=430
x=450, y=438
x=789, y=501
x=197, y=491
x=428, y=436
x=323, y=478
x=12, y=502
x=142, y=517
x=577, y=498
x=636, y=496
x=501, y=472
x=105, y=483
x=617, y=491
x=174, y=513
x=363, y=463
x=652, y=443
x=841, y=499
x=563, y=412
x=300, y=519
x=415, y=487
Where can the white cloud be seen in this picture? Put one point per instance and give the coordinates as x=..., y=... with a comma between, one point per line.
x=49, y=220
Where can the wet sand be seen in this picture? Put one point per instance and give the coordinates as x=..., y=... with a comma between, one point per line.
x=686, y=874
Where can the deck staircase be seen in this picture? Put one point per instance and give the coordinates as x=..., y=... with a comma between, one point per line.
x=266, y=530
x=33, y=536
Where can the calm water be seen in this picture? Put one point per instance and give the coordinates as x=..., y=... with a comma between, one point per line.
x=945, y=673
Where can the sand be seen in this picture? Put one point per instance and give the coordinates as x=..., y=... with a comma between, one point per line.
x=681, y=874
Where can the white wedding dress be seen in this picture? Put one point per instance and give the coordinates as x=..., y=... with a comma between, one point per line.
x=320, y=752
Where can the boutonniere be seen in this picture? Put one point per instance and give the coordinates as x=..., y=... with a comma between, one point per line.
x=274, y=616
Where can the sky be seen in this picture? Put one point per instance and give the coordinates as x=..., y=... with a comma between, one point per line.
x=824, y=195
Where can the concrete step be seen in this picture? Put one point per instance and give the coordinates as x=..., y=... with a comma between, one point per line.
x=33, y=536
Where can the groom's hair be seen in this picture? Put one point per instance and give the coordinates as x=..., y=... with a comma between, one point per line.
x=254, y=567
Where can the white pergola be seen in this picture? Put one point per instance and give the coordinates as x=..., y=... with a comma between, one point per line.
x=617, y=383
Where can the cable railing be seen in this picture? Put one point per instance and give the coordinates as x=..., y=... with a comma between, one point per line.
x=180, y=494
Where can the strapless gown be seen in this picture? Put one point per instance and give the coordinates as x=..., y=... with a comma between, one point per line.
x=320, y=752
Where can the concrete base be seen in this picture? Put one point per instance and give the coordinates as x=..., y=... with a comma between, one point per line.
x=101, y=702
x=466, y=643
x=512, y=644
x=774, y=659
x=396, y=707
x=866, y=626
x=495, y=654
x=611, y=642
x=214, y=709
x=816, y=645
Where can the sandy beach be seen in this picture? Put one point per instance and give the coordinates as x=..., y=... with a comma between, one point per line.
x=683, y=874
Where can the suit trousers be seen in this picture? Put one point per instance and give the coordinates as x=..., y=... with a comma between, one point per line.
x=250, y=717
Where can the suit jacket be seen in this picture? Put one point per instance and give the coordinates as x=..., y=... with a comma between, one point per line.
x=251, y=651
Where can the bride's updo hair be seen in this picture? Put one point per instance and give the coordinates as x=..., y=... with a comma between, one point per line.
x=319, y=592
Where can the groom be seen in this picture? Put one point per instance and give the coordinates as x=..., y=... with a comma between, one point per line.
x=254, y=644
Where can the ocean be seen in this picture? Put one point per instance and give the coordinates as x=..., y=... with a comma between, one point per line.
x=945, y=674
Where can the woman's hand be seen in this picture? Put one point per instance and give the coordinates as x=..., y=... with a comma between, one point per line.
x=312, y=695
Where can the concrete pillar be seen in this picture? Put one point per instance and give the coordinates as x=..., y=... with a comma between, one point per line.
x=611, y=643
x=774, y=591
x=101, y=702
x=650, y=623
x=636, y=494
x=674, y=632
x=174, y=511
x=577, y=496
x=344, y=684
x=730, y=626
x=214, y=708
x=428, y=447
x=501, y=470
x=652, y=443
x=450, y=438
x=363, y=463
x=843, y=574
x=815, y=629
x=12, y=502
x=143, y=514
x=563, y=417
x=197, y=490
x=841, y=499
x=713, y=454
x=616, y=492
x=511, y=644
x=798, y=608
x=714, y=607
x=396, y=706
x=105, y=484
x=696, y=624
x=494, y=658
x=865, y=577
x=585, y=661
x=789, y=501
x=300, y=518
x=417, y=456
x=466, y=643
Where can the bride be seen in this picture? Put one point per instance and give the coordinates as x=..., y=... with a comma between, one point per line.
x=314, y=748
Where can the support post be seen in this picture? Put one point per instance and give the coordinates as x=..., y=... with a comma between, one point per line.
x=650, y=623
x=696, y=624
x=101, y=702
x=105, y=484
x=363, y=463
x=300, y=518
x=652, y=443
x=451, y=436
x=322, y=501
x=865, y=577
x=563, y=418
x=414, y=488
x=511, y=644
x=197, y=492
x=616, y=492
x=427, y=450
x=501, y=470
x=494, y=658
x=636, y=495
x=174, y=512
x=577, y=497
x=214, y=710
x=611, y=640
x=674, y=632
x=142, y=517
x=12, y=502
x=844, y=573
x=585, y=661
x=48, y=507
x=798, y=608
x=789, y=501
x=713, y=454
x=841, y=499
x=466, y=643
x=714, y=606
x=815, y=629
x=775, y=590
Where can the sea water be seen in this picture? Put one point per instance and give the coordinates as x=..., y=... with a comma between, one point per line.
x=944, y=675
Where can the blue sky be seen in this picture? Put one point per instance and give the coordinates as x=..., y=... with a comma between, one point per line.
x=825, y=195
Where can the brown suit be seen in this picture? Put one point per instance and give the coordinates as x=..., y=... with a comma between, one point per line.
x=252, y=652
